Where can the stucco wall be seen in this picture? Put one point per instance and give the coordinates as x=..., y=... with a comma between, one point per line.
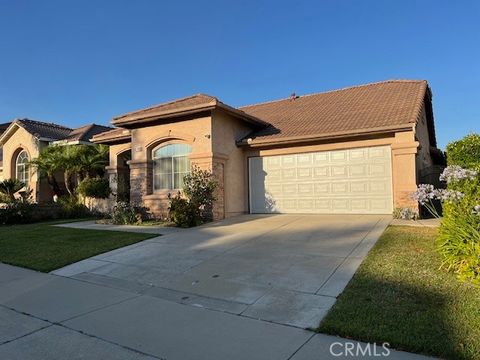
x=424, y=159
x=196, y=132
x=226, y=130
x=22, y=140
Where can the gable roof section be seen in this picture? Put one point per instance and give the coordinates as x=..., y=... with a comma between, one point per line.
x=4, y=127
x=381, y=106
x=83, y=134
x=39, y=129
x=182, y=107
x=44, y=130
x=52, y=132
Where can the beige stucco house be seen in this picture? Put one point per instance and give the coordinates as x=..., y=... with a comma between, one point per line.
x=357, y=150
x=22, y=140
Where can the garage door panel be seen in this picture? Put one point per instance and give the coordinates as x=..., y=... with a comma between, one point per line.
x=341, y=181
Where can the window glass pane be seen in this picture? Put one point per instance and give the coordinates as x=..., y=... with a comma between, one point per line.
x=165, y=181
x=22, y=171
x=178, y=178
x=163, y=166
x=171, y=164
x=181, y=164
x=172, y=150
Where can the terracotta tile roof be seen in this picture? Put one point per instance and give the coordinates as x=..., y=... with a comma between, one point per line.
x=184, y=106
x=116, y=135
x=85, y=133
x=386, y=104
x=45, y=130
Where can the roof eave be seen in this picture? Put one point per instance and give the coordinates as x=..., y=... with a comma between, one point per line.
x=8, y=132
x=117, y=121
x=330, y=136
x=190, y=111
x=111, y=140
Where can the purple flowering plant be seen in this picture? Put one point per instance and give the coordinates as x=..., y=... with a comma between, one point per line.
x=457, y=173
x=426, y=193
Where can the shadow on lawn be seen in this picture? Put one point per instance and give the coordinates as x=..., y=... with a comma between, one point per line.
x=413, y=319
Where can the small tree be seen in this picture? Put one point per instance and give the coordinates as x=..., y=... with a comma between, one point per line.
x=195, y=204
x=47, y=164
x=199, y=187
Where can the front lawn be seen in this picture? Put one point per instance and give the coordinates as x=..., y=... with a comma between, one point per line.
x=44, y=247
x=399, y=296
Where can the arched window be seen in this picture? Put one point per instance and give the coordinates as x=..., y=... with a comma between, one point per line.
x=170, y=165
x=22, y=171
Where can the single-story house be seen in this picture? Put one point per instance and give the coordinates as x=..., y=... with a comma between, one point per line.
x=22, y=140
x=356, y=150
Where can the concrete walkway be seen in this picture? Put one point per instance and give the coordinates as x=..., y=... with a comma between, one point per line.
x=420, y=223
x=92, y=225
x=44, y=316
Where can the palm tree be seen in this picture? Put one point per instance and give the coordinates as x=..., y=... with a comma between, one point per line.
x=75, y=161
x=49, y=163
x=92, y=160
x=9, y=187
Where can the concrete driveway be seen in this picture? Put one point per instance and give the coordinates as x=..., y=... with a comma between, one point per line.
x=237, y=289
x=285, y=269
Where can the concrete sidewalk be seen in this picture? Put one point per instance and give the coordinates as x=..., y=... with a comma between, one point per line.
x=44, y=316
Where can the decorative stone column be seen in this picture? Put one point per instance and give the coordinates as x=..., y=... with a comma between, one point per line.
x=140, y=180
x=112, y=177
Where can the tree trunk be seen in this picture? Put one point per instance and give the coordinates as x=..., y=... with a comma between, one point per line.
x=68, y=185
x=52, y=182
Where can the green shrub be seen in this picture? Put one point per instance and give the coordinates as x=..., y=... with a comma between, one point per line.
x=124, y=213
x=465, y=152
x=16, y=212
x=195, y=204
x=98, y=188
x=72, y=208
x=183, y=212
x=199, y=188
x=8, y=188
x=459, y=244
x=459, y=235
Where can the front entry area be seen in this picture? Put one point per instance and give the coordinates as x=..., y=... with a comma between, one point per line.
x=351, y=181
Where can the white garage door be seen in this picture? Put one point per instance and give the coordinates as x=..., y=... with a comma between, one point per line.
x=354, y=181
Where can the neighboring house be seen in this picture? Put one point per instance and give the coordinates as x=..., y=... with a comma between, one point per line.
x=23, y=140
x=358, y=150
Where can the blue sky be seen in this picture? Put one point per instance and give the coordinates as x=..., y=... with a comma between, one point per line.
x=77, y=62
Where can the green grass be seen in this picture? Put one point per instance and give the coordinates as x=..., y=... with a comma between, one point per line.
x=44, y=247
x=400, y=296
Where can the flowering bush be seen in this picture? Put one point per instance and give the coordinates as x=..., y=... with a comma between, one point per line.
x=194, y=205
x=456, y=173
x=459, y=235
x=124, y=213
